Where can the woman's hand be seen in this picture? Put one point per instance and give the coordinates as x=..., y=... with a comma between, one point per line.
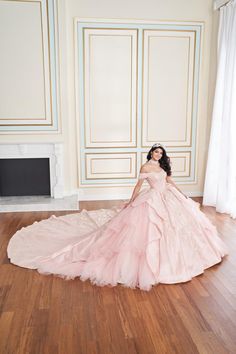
x=126, y=204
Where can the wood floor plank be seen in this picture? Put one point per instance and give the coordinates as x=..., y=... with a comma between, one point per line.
x=49, y=315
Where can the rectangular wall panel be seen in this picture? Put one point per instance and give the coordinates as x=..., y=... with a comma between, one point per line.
x=180, y=163
x=21, y=62
x=102, y=166
x=168, y=69
x=28, y=86
x=110, y=57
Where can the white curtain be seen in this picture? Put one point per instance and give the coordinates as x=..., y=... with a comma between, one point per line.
x=220, y=179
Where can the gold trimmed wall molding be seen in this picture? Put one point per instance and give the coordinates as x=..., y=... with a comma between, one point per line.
x=29, y=73
x=137, y=84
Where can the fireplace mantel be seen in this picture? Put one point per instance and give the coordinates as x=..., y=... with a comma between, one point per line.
x=53, y=151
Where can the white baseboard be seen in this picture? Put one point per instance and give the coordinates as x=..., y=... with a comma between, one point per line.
x=194, y=194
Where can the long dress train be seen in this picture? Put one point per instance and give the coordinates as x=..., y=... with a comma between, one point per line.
x=161, y=237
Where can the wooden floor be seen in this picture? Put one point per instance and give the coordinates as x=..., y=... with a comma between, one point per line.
x=46, y=314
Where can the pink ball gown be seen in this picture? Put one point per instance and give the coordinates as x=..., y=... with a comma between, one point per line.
x=161, y=237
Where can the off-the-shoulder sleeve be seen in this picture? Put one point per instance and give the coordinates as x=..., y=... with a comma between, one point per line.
x=142, y=175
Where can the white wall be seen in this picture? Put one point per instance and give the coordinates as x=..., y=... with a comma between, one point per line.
x=165, y=10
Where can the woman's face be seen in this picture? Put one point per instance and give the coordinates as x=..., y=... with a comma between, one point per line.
x=157, y=154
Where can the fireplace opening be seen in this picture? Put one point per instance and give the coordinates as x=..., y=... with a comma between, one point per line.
x=24, y=177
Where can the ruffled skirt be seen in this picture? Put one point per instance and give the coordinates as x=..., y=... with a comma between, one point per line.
x=162, y=237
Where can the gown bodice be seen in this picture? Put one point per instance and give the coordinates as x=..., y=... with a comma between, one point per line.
x=156, y=180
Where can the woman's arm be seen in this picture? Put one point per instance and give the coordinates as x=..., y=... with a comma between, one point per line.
x=170, y=180
x=136, y=189
x=135, y=192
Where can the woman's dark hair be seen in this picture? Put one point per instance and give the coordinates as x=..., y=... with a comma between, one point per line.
x=164, y=161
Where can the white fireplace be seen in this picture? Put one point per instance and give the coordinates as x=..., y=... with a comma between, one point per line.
x=54, y=152
x=56, y=201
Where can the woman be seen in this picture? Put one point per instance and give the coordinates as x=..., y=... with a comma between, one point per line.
x=159, y=236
